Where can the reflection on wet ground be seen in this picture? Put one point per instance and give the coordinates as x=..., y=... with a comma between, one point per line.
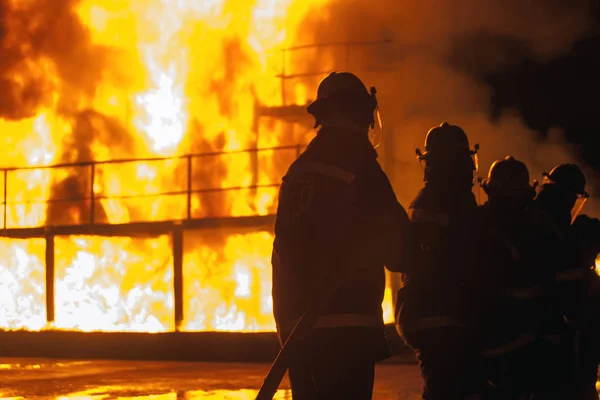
x=107, y=380
x=191, y=395
x=33, y=379
x=242, y=394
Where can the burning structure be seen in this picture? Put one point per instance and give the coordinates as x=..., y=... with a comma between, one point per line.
x=145, y=140
x=143, y=162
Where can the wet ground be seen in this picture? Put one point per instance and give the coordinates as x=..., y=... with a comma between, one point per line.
x=68, y=379
x=104, y=380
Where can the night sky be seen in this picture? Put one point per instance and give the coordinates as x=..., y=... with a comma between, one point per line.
x=563, y=92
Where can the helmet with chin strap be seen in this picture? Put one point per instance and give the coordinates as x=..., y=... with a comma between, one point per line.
x=568, y=177
x=447, y=143
x=343, y=92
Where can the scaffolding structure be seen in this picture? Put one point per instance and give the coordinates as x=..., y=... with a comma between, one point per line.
x=90, y=199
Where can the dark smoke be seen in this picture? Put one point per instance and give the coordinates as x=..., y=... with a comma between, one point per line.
x=45, y=48
x=48, y=59
x=89, y=128
x=434, y=70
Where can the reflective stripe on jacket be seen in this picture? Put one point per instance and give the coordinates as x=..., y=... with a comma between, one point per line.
x=347, y=320
x=428, y=323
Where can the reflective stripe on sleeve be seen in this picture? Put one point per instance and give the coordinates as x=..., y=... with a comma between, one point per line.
x=332, y=171
x=422, y=215
x=516, y=344
x=573, y=275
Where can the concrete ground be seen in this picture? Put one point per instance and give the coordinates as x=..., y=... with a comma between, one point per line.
x=70, y=379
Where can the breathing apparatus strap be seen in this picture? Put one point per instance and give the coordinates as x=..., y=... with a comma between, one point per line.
x=377, y=118
x=585, y=199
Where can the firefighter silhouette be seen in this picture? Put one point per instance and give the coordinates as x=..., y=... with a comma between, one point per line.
x=562, y=195
x=435, y=314
x=338, y=223
x=519, y=243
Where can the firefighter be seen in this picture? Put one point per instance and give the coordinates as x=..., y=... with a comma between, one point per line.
x=562, y=195
x=338, y=224
x=518, y=244
x=434, y=310
x=585, y=234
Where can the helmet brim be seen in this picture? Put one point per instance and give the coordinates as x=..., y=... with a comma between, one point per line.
x=525, y=191
x=581, y=193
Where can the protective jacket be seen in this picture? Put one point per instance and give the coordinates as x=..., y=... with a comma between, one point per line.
x=575, y=357
x=578, y=287
x=338, y=224
x=576, y=279
x=439, y=258
x=520, y=245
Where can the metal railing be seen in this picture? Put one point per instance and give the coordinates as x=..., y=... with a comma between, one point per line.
x=348, y=46
x=83, y=179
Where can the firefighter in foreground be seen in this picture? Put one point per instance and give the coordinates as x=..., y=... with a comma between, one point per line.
x=338, y=222
x=435, y=313
x=562, y=195
x=519, y=246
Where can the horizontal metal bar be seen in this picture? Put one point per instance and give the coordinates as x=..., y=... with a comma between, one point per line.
x=143, y=195
x=301, y=75
x=333, y=44
x=308, y=74
x=140, y=228
x=149, y=159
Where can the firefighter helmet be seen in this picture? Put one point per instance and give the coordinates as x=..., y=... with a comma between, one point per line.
x=448, y=142
x=569, y=177
x=508, y=178
x=343, y=91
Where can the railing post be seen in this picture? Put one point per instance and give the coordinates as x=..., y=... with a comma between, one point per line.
x=177, y=242
x=283, y=77
x=189, y=187
x=92, y=196
x=50, y=272
x=5, y=197
x=254, y=161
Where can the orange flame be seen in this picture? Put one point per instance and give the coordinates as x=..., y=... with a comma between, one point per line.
x=181, y=77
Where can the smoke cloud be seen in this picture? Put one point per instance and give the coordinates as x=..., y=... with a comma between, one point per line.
x=434, y=67
x=50, y=62
x=45, y=48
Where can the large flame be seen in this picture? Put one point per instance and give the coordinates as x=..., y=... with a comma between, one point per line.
x=176, y=78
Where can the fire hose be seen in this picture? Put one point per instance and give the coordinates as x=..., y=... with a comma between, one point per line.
x=283, y=359
x=301, y=329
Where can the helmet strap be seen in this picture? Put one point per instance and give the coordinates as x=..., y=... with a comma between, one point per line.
x=377, y=119
x=578, y=211
x=380, y=123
